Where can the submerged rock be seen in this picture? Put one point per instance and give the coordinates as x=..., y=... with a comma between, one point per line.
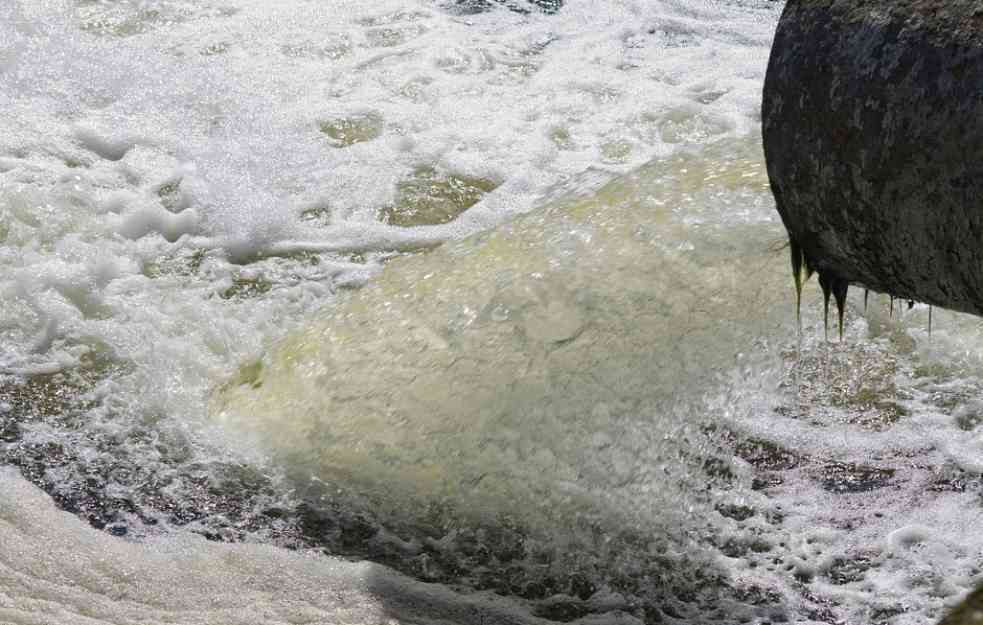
x=969, y=612
x=470, y=7
x=873, y=136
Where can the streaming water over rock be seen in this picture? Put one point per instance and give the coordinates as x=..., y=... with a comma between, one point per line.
x=490, y=293
x=523, y=370
x=551, y=375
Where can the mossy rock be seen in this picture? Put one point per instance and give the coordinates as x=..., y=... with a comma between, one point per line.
x=969, y=612
x=431, y=197
x=347, y=131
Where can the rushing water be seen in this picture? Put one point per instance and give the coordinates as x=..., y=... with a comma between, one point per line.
x=490, y=294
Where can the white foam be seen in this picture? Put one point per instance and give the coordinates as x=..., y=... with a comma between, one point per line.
x=145, y=154
x=910, y=543
x=56, y=570
x=171, y=144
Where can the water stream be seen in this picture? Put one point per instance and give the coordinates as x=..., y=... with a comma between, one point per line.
x=466, y=312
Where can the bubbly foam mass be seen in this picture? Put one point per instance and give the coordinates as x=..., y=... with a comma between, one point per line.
x=192, y=195
x=56, y=570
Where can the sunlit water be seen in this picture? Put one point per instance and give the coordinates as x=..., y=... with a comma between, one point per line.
x=491, y=294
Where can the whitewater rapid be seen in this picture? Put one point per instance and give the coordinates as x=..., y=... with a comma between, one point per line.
x=486, y=293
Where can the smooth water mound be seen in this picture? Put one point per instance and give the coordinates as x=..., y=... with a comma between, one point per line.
x=546, y=372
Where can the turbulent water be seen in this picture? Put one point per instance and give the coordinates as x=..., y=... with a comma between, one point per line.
x=469, y=312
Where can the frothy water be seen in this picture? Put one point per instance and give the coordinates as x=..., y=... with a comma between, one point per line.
x=550, y=375
x=588, y=402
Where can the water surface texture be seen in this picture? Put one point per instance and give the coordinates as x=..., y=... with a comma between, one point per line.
x=465, y=312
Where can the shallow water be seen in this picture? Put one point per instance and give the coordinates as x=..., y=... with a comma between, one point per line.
x=223, y=314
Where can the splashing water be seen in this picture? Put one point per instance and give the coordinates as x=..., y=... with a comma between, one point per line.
x=588, y=402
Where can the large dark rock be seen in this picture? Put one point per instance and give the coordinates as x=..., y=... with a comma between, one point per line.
x=873, y=133
x=969, y=612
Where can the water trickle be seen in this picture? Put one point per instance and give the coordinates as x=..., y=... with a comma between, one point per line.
x=824, y=284
x=801, y=272
x=796, y=253
x=840, y=288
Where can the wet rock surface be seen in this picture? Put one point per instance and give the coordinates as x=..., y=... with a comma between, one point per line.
x=851, y=490
x=129, y=482
x=134, y=487
x=969, y=612
x=136, y=483
x=846, y=477
x=109, y=482
x=872, y=133
x=470, y=7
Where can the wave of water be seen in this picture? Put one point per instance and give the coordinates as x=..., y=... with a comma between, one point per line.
x=192, y=196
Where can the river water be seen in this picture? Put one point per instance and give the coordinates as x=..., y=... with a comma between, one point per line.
x=450, y=311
